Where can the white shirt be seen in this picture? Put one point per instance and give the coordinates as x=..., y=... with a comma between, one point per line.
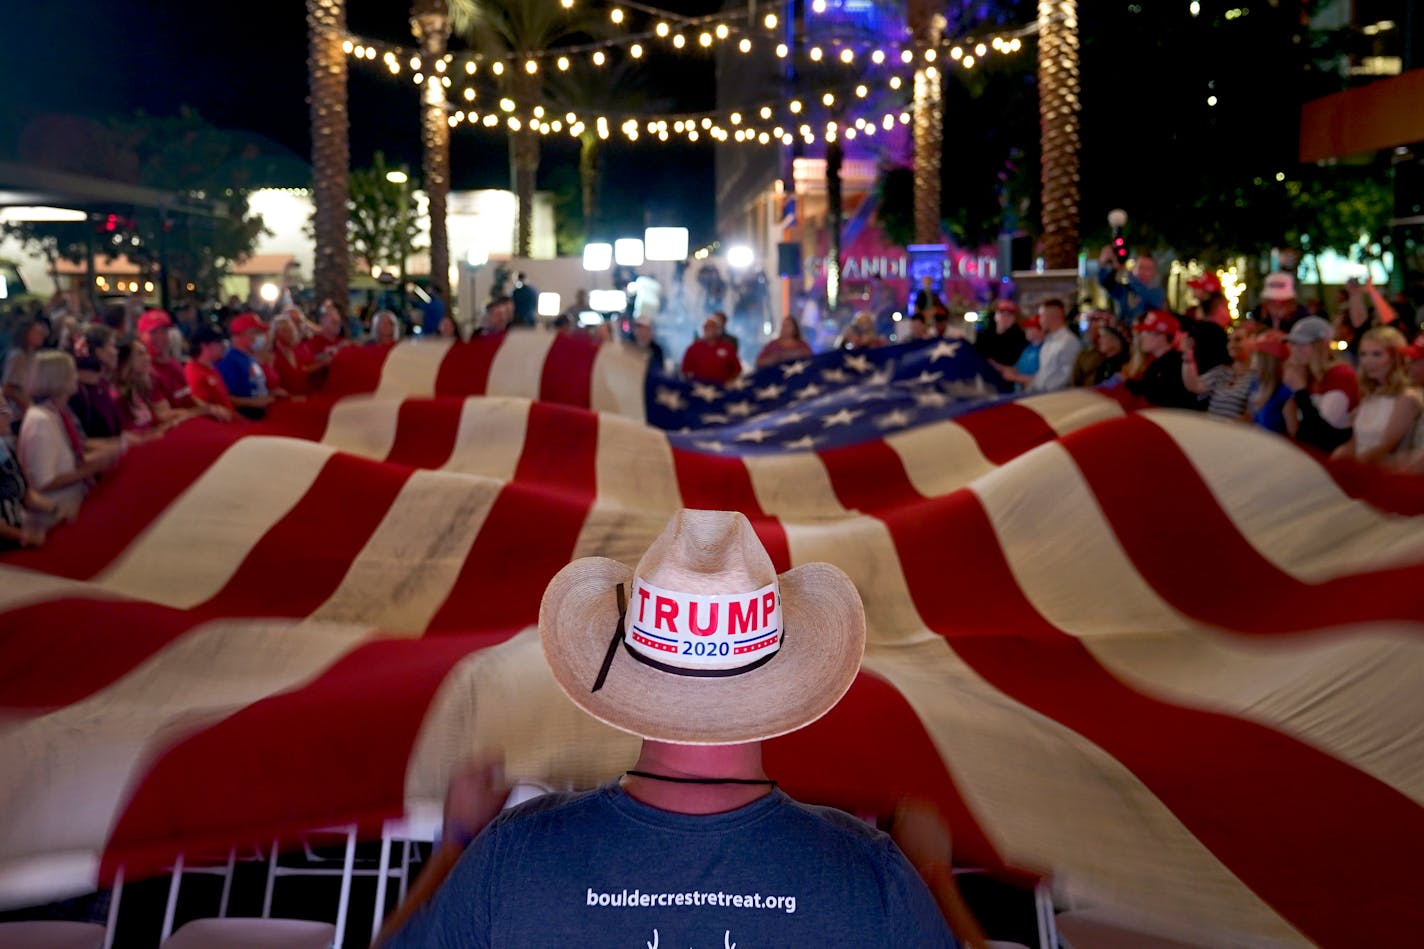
x=1055, y=361
x=45, y=453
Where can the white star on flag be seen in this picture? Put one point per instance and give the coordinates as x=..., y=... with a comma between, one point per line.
x=670, y=399
x=710, y=446
x=757, y=435
x=794, y=368
x=899, y=418
x=810, y=392
x=944, y=348
x=928, y=378
x=738, y=384
x=772, y=391
x=794, y=418
x=857, y=362
x=882, y=377
x=705, y=392
x=714, y=418
x=843, y=417
x=739, y=409
x=931, y=399
x=834, y=375
x=805, y=442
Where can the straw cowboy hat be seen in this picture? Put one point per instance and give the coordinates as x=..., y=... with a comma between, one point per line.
x=703, y=643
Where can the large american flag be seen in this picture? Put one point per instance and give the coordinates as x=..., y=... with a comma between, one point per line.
x=1176, y=664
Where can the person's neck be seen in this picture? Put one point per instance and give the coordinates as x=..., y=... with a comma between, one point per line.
x=697, y=761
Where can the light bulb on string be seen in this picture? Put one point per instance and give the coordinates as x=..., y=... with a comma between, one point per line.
x=735, y=118
x=347, y=47
x=816, y=54
x=563, y=63
x=980, y=50
x=895, y=82
x=679, y=41
x=968, y=62
x=770, y=21
x=795, y=105
x=878, y=57
x=470, y=67
x=598, y=57
x=765, y=112
x=781, y=50
x=956, y=53
x=440, y=65
x=828, y=99
x=847, y=55
x=531, y=66
x=636, y=51
x=616, y=15
x=661, y=29
x=497, y=68
x=722, y=31
x=419, y=79
x=906, y=56
x=745, y=45
x=705, y=40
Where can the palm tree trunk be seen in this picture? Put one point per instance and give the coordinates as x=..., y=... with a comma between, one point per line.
x=1058, y=108
x=927, y=27
x=524, y=162
x=589, y=161
x=331, y=158
x=834, y=213
x=430, y=22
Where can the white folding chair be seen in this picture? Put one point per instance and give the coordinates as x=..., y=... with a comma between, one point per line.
x=232, y=932
x=60, y=934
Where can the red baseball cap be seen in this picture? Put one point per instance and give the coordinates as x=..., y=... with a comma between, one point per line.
x=1205, y=284
x=1159, y=321
x=247, y=321
x=152, y=320
x=1032, y=322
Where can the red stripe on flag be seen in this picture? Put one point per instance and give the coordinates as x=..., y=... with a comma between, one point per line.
x=567, y=377
x=466, y=367
x=869, y=476
x=722, y=483
x=871, y=753
x=332, y=751
x=1387, y=491
x=425, y=432
x=533, y=526
x=61, y=651
x=1288, y=802
x=128, y=498
x=1142, y=488
x=1006, y=431
x=355, y=370
x=306, y=419
x=302, y=558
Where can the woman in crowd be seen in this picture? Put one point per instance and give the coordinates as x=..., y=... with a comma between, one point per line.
x=1026, y=366
x=1267, y=401
x=29, y=336
x=1323, y=389
x=95, y=402
x=787, y=345
x=18, y=526
x=56, y=459
x=292, y=369
x=1389, y=405
x=1227, y=387
x=385, y=329
x=1114, y=349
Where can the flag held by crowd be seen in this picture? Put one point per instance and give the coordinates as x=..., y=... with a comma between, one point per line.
x=1173, y=664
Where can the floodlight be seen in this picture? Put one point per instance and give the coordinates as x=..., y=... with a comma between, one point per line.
x=740, y=256
x=628, y=252
x=597, y=256
x=608, y=301
x=477, y=256
x=269, y=292
x=549, y=303
x=665, y=243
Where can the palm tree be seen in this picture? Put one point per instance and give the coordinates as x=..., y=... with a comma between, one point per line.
x=331, y=158
x=1058, y=108
x=927, y=28
x=430, y=22
x=585, y=92
x=514, y=32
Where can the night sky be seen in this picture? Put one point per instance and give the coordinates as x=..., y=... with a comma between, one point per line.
x=244, y=68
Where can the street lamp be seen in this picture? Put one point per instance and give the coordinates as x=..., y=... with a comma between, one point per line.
x=398, y=176
x=740, y=257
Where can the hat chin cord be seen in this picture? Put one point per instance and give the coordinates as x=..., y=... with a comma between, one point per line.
x=674, y=780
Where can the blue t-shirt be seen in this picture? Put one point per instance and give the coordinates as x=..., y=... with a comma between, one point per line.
x=242, y=373
x=602, y=869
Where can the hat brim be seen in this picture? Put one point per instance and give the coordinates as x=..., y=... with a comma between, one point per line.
x=822, y=645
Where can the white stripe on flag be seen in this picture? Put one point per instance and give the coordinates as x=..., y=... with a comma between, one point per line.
x=939, y=458
x=1312, y=530
x=490, y=437
x=411, y=562
x=617, y=386
x=20, y=587
x=192, y=548
x=363, y=425
x=795, y=484
x=411, y=367
x=1072, y=409
x=93, y=750
x=518, y=365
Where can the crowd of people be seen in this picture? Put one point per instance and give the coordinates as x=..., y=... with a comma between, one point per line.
x=80, y=386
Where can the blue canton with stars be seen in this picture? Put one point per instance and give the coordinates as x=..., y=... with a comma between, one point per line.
x=824, y=401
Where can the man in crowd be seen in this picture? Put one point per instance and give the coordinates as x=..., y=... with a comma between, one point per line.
x=1133, y=290
x=644, y=339
x=1155, y=373
x=498, y=315
x=1003, y=340
x=1279, y=309
x=711, y=358
x=725, y=336
x=525, y=300
x=241, y=372
x=1056, y=356
x=204, y=382
x=167, y=381
x=694, y=846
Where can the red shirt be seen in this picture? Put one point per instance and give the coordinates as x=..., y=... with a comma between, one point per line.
x=290, y=373
x=207, y=385
x=168, y=381
x=711, y=362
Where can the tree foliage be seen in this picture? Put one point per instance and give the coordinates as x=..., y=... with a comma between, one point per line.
x=383, y=223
